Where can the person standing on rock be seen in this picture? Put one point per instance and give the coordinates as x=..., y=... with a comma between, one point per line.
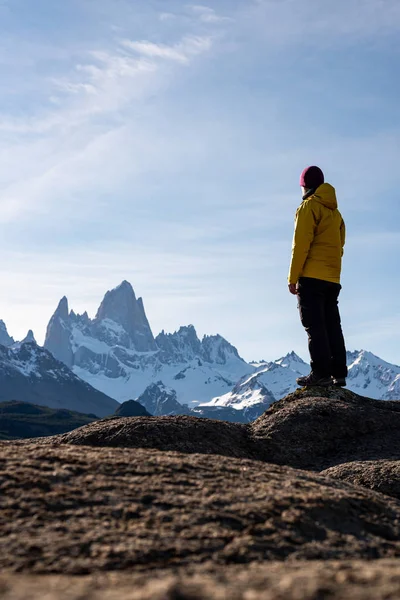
x=314, y=276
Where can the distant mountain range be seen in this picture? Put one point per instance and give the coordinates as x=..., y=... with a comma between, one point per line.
x=119, y=359
x=30, y=373
x=20, y=420
x=25, y=420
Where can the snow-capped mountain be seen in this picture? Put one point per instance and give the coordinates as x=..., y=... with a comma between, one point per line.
x=161, y=401
x=9, y=342
x=371, y=376
x=368, y=376
x=117, y=353
x=32, y=374
x=249, y=391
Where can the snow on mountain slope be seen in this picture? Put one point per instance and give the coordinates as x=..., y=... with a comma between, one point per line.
x=271, y=381
x=371, y=376
x=249, y=391
x=117, y=353
x=32, y=374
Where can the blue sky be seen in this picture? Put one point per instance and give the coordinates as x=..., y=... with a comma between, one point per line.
x=162, y=142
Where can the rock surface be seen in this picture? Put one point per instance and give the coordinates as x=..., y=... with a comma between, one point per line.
x=179, y=433
x=380, y=475
x=76, y=511
x=312, y=580
x=309, y=429
x=316, y=428
x=210, y=517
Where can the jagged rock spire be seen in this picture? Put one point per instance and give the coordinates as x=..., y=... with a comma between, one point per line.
x=58, y=334
x=30, y=338
x=5, y=339
x=121, y=306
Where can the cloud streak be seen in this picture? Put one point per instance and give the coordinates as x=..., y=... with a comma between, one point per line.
x=181, y=52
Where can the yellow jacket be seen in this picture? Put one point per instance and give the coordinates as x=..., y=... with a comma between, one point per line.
x=319, y=237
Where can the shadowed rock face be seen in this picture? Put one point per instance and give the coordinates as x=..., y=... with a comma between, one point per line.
x=75, y=510
x=302, y=430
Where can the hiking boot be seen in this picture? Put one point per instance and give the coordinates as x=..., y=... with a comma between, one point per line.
x=313, y=379
x=339, y=381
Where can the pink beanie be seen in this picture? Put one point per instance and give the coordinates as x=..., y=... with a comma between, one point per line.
x=311, y=178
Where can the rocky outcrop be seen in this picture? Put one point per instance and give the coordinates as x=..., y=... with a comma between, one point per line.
x=210, y=516
x=378, y=475
x=310, y=429
x=79, y=510
x=180, y=433
x=318, y=428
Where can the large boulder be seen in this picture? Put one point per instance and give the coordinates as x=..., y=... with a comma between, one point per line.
x=320, y=427
x=180, y=433
x=379, y=475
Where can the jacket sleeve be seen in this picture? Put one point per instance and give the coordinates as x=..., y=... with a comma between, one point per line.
x=304, y=228
x=343, y=235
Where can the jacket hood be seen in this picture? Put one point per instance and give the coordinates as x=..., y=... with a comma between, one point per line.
x=326, y=195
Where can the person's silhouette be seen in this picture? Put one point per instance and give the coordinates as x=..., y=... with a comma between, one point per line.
x=314, y=276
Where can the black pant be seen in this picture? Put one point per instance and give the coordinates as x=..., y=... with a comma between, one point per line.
x=319, y=313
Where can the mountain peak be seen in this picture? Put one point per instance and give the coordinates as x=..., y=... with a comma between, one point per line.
x=124, y=287
x=366, y=357
x=62, y=309
x=30, y=338
x=290, y=358
x=120, y=306
x=5, y=339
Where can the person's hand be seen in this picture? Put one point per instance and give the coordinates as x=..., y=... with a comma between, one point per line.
x=293, y=288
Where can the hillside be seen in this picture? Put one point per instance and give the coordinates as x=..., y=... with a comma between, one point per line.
x=19, y=420
x=25, y=420
x=29, y=373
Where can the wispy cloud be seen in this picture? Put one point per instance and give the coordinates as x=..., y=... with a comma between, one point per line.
x=207, y=14
x=63, y=145
x=181, y=52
